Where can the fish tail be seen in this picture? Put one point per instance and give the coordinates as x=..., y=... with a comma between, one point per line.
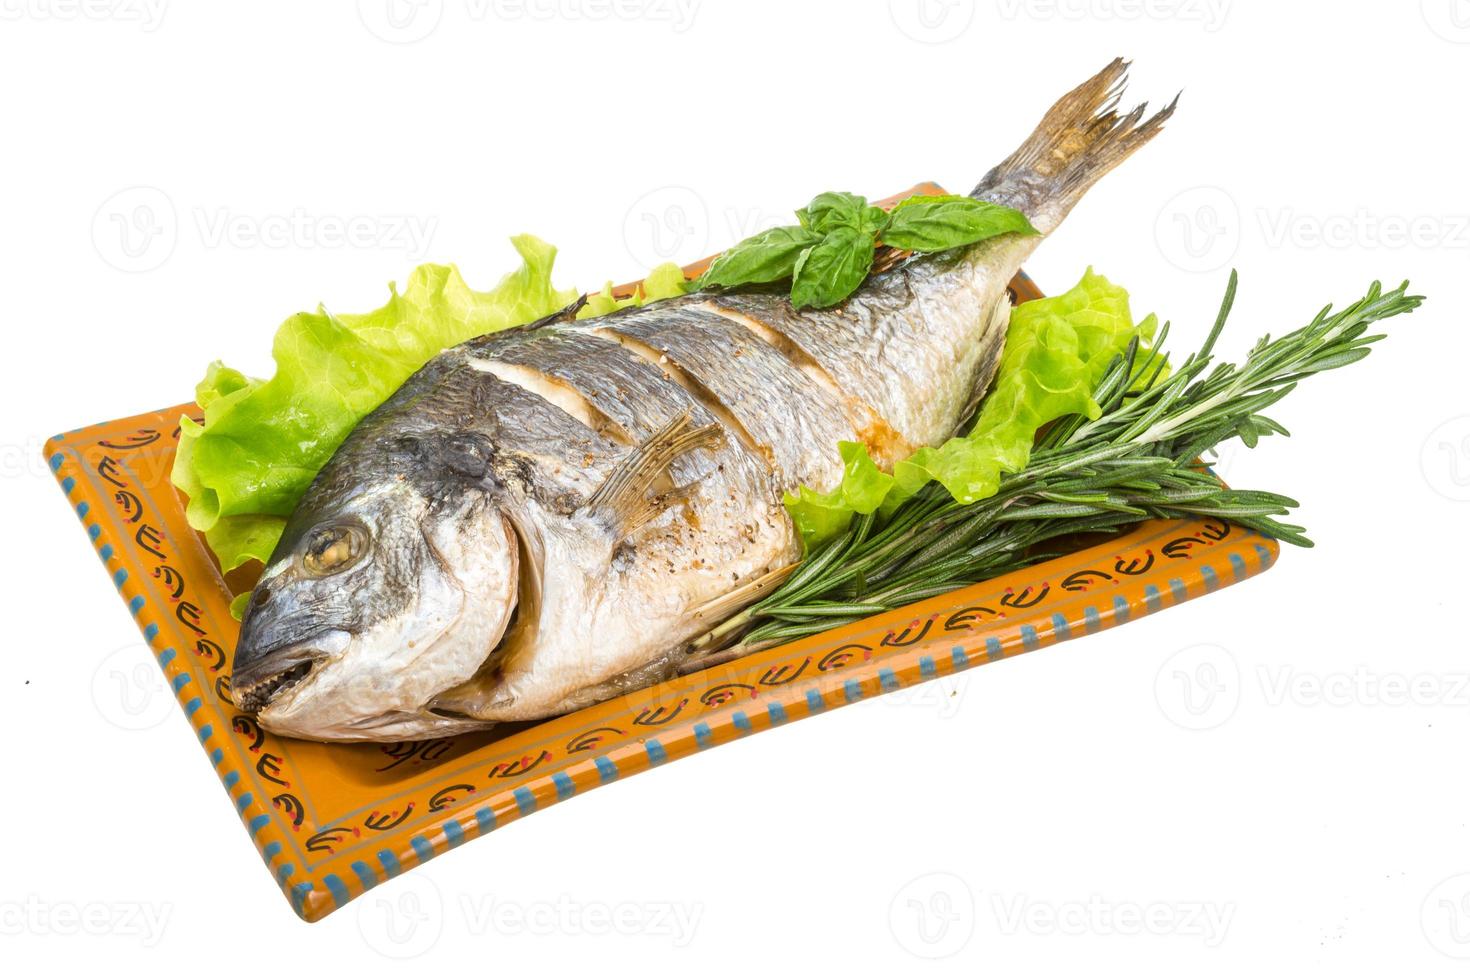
x=1081, y=138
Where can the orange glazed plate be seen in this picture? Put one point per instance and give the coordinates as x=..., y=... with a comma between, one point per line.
x=333, y=820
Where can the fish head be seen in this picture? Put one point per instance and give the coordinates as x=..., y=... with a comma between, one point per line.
x=381, y=593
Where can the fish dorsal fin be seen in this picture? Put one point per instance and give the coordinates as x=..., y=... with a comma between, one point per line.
x=624, y=500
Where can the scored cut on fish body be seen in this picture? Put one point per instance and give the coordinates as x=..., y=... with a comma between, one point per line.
x=527, y=424
x=773, y=408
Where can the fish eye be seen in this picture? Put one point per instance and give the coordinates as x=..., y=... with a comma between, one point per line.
x=334, y=547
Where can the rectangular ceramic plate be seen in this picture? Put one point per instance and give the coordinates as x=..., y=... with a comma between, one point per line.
x=332, y=821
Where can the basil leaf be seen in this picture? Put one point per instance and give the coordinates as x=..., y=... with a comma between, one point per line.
x=831, y=270
x=829, y=254
x=914, y=199
x=874, y=221
x=766, y=257
x=937, y=223
x=834, y=209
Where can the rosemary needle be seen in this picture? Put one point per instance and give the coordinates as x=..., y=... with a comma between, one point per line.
x=1138, y=459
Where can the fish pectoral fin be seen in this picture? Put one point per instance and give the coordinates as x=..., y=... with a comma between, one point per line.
x=477, y=698
x=722, y=607
x=624, y=500
x=650, y=507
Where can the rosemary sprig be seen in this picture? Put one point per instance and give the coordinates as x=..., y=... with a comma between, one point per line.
x=1139, y=459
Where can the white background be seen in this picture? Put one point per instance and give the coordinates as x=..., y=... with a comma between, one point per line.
x=1300, y=810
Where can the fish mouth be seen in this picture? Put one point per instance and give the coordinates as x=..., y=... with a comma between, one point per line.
x=258, y=695
x=255, y=686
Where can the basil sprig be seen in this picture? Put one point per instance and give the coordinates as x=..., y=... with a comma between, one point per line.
x=830, y=251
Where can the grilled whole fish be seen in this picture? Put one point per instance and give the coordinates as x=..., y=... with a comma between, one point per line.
x=542, y=518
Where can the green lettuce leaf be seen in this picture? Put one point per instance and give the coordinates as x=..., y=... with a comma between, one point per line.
x=1056, y=351
x=663, y=282
x=821, y=516
x=262, y=442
